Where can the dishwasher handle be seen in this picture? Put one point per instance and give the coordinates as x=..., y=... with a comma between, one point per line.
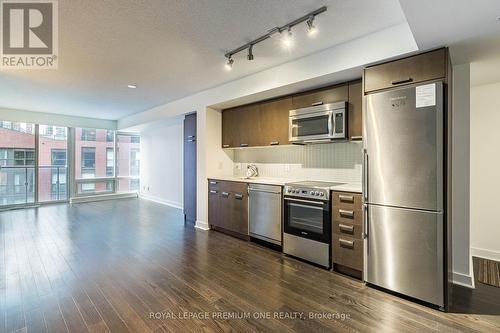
x=261, y=190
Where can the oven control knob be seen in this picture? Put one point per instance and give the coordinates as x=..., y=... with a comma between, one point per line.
x=322, y=194
x=312, y=192
x=316, y=193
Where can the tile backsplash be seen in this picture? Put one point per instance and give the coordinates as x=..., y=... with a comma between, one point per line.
x=340, y=162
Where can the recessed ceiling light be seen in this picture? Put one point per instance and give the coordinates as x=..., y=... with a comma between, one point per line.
x=131, y=86
x=498, y=18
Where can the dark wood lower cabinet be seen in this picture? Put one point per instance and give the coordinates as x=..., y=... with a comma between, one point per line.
x=228, y=207
x=347, y=241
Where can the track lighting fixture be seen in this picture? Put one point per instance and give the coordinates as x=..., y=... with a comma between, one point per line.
x=287, y=39
x=311, y=28
x=250, y=52
x=229, y=63
x=286, y=36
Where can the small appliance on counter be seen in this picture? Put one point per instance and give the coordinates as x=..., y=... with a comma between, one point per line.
x=307, y=223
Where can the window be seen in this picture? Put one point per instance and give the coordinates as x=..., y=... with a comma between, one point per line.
x=24, y=157
x=134, y=162
x=59, y=157
x=135, y=139
x=88, y=134
x=110, y=136
x=49, y=130
x=88, y=162
x=110, y=162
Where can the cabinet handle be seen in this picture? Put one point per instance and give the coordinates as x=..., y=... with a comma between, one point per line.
x=407, y=80
x=225, y=194
x=190, y=136
x=346, y=243
x=346, y=228
x=244, y=145
x=274, y=143
x=213, y=191
x=225, y=146
x=358, y=137
x=238, y=196
x=213, y=182
x=346, y=198
x=317, y=103
x=191, y=140
x=348, y=213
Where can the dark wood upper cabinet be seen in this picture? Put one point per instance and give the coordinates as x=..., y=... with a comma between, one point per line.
x=229, y=121
x=355, y=118
x=334, y=94
x=274, y=122
x=241, y=126
x=419, y=68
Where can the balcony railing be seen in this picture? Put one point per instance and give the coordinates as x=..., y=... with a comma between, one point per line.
x=18, y=184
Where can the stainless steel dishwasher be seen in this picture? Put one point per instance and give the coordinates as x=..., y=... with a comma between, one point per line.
x=265, y=214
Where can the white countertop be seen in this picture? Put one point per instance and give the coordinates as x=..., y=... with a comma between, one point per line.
x=347, y=187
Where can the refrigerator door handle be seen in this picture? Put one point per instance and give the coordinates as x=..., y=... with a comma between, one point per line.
x=365, y=176
x=365, y=221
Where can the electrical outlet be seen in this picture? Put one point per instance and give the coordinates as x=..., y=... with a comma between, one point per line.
x=287, y=167
x=237, y=166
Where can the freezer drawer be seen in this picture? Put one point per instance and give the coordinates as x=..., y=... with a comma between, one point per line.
x=405, y=252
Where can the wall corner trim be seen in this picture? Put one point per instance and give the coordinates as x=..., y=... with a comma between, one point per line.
x=173, y=204
x=464, y=280
x=202, y=225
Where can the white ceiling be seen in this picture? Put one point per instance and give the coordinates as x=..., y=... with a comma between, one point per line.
x=470, y=28
x=172, y=49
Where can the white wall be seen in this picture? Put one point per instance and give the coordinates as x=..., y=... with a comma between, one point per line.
x=162, y=162
x=462, y=268
x=484, y=171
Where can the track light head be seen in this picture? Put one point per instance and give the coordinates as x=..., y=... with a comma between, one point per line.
x=250, y=53
x=311, y=28
x=287, y=39
x=229, y=63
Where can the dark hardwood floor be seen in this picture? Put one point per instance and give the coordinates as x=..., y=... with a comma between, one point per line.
x=108, y=266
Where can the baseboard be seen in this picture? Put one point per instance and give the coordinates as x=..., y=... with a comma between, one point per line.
x=464, y=280
x=202, y=225
x=161, y=201
x=485, y=254
x=102, y=197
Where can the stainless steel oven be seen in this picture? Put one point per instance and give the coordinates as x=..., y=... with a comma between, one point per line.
x=318, y=123
x=307, y=229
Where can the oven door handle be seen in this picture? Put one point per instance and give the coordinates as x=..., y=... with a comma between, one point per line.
x=306, y=201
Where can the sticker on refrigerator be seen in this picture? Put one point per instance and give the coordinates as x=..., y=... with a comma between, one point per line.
x=425, y=95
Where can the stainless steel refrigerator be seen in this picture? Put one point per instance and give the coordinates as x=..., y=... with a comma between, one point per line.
x=403, y=179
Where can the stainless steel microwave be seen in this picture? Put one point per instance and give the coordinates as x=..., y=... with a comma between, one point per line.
x=319, y=123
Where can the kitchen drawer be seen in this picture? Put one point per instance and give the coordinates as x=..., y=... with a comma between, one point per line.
x=419, y=68
x=347, y=215
x=348, y=229
x=348, y=251
x=234, y=187
x=347, y=200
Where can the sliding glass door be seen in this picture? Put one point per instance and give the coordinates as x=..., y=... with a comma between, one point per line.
x=17, y=163
x=52, y=163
